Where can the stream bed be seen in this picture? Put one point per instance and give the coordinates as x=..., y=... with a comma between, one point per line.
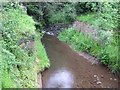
x=71, y=70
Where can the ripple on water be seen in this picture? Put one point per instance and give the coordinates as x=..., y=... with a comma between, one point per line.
x=61, y=78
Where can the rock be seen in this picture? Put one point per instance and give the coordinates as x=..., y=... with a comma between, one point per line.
x=115, y=79
x=98, y=78
x=110, y=78
x=77, y=85
x=99, y=82
x=93, y=63
x=95, y=80
x=102, y=76
x=95, y=76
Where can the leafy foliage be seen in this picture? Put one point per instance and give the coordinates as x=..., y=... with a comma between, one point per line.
x=61, y=12
x=109, y=15
x=19, y=68
x=104, y=18
x=36, y=11
x=51, y=13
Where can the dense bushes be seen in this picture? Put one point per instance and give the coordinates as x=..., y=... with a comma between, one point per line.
x=51, y=13
x=106, y=18
x=35, y=10
x=107, y=54
x=61, y=12
x=19, y=67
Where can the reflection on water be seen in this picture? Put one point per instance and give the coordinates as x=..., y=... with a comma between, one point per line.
x=62, y=78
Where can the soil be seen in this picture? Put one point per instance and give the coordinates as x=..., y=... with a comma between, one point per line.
x=70, y=69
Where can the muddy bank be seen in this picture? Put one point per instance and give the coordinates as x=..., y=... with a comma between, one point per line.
x=69, y=69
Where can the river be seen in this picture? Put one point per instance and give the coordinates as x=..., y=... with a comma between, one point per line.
x=71, y=70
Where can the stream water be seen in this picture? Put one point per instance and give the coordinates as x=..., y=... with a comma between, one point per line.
x=71, y=70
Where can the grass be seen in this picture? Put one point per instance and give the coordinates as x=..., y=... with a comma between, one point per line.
x=41, y=54
x=79, y=41
x=98, y=22
x=89, y=18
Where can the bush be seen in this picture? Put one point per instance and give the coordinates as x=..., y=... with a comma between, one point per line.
x=104, y=17
x=51, y=13
x=35, y=10
x=61, y=12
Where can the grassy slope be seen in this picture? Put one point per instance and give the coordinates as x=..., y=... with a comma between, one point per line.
x=89, y=18
x=41, y=53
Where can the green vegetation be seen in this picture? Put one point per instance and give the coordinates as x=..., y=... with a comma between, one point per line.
x=89, y=18
x=51, y=13
x=107, y=54
x=19, y=25
x=103, y=18
x=61, y=13
x=18, y=63
x=41, y=54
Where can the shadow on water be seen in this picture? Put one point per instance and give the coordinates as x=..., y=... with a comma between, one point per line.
x=70, y=70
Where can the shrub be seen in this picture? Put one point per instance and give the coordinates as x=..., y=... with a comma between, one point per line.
x=51, y=13
x=104, y=17
x=60, y=12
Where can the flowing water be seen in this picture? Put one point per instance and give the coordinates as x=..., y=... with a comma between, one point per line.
x=71, y=70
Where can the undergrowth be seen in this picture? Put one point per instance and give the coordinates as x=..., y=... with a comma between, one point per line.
x=18, y=68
